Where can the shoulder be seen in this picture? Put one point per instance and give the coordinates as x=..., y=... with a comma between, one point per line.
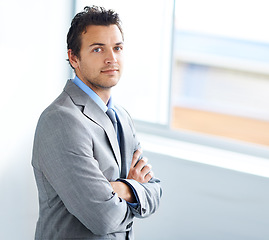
x=61, y=114
x=62, y=105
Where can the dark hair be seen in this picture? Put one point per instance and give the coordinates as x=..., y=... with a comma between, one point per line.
x=92, y=15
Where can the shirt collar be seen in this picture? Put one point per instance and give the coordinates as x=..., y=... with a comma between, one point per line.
x=93, y=95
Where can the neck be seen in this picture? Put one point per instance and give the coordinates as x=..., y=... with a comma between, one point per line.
x=105, y=96
x=103, y=93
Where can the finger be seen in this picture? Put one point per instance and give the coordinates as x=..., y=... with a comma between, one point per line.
x=136, y=155
x=146, y=169
x=149, y=176
x=141, y=164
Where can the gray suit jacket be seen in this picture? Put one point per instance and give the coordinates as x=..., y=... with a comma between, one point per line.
x=75, y=155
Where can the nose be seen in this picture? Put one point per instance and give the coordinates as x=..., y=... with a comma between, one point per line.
x=111, y=57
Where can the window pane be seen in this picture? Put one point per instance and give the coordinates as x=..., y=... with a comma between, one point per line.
x=221, y=75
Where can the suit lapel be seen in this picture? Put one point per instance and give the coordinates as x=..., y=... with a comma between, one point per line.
x=95, y=113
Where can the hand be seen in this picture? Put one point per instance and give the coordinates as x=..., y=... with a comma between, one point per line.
x=140, y=170
x=123, y=191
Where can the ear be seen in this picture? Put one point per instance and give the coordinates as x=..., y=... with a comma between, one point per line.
x=73, y=59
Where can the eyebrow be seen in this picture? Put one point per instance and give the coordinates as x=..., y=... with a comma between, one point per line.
x=102, y=44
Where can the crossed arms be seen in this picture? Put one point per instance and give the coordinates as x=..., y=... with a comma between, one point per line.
x=64, y=160
x=139, y=171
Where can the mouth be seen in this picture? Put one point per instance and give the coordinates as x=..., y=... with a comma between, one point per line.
x=110, y=70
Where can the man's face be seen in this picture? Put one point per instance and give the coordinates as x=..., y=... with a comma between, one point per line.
x=100, y=63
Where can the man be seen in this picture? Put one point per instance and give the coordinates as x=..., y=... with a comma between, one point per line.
x=91, y=178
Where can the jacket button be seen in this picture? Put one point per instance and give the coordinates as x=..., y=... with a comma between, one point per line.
x=144, y=210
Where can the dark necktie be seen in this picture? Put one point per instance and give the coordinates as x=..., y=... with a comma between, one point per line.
x=111, y=114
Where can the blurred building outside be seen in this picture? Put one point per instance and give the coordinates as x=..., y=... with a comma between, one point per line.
x=220, y=83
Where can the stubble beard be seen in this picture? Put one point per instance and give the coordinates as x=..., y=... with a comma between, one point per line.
x=98, y=83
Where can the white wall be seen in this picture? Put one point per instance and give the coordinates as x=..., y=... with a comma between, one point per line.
x=203, y=202
x=33, y=72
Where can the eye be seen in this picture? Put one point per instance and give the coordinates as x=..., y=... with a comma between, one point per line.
x=118, y=48
x=97, y=50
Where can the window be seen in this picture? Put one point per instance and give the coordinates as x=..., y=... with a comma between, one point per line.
x=196, y=67
x=221, y=74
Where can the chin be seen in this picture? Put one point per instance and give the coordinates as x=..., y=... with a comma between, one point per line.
x=108, y=86
x=113, y=83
